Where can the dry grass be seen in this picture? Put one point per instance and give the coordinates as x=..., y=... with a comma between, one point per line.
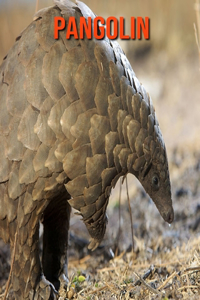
x=174, y=274
x=197, y=27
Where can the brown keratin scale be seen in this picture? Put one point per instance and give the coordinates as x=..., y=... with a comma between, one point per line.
x=74, y=118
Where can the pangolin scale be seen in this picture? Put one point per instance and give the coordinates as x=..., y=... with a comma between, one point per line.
x=73, y=119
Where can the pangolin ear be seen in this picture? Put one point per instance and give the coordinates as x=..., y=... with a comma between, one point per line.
x=146, y=169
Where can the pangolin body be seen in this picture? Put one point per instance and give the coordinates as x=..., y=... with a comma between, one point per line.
x=74, y=118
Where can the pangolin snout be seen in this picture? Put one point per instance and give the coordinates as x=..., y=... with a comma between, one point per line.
x=169, y=215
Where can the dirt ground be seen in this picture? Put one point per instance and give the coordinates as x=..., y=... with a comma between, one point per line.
x=164, y=262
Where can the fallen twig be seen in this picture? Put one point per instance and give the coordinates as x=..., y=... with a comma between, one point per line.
x=146, y=284
x=146, y=275
x=167, y=280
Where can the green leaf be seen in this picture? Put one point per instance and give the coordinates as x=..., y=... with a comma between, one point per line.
x=81, y=278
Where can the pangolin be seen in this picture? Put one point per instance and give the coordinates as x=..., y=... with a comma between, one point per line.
x=73, y=119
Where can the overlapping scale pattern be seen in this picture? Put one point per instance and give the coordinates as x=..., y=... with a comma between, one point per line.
x=73, y=115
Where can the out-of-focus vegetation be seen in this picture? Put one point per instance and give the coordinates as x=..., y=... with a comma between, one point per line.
x=171, y=22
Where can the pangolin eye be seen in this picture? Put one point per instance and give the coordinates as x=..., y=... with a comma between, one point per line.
x=155, y=182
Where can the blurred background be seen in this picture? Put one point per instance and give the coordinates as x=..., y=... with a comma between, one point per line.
x=169, y=68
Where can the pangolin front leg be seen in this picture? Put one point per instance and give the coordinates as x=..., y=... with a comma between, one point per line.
x=55, y=241
x=28, y=281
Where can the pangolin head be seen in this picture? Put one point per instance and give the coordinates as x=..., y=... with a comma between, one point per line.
x=155, y=179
